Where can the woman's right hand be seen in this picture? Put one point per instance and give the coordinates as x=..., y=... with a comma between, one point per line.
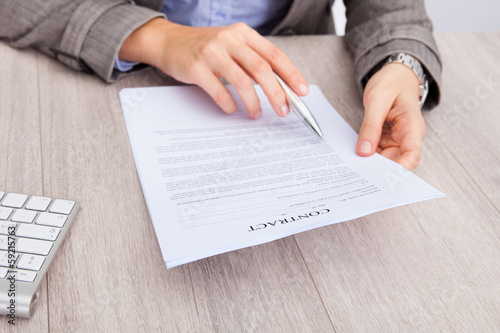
x=202, y=56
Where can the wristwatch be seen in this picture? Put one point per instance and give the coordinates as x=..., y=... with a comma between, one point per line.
x=408, y=60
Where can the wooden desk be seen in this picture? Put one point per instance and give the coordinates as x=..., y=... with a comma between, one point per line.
x=431, y=266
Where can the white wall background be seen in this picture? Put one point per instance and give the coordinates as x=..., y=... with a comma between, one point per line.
x=447, y=15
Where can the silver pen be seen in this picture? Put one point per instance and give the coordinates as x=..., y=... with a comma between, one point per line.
x=297, y=105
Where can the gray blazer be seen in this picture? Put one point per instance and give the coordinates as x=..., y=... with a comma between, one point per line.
x=87, y=34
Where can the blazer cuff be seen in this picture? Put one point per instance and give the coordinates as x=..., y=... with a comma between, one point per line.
x=94, y=40
x=427, y=55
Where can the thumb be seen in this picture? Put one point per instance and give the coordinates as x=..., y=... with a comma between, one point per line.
x=371, y=128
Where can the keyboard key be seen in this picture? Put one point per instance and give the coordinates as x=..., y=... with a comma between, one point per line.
x=1, y=195
x=37, y=231
x=62, y=206
x=4, y=227
x=34, y=246
x=53, y=220
x=4, y=243
x=23, y=215
x=5, y=213
x=25, y=276
x=4, y=258
x=14, y=200
x=3, y=272
x=38, y=203
x=31, y=262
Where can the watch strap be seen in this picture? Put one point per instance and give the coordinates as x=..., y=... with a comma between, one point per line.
x=415, y=65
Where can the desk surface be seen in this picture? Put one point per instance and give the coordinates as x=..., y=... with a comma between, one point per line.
x=430, y=266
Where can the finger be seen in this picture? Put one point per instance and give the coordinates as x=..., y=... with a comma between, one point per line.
x=243, y=84
x=245, y=89
x=412, y=128
x=216, y=90
x=239, y=79
x=392, y=153
x=411, y=148
x=386, y=138
x=263, y=74
x=386, y=141
x=407, y=153
x=409, y=160
x=376, y=110
x=279, y=61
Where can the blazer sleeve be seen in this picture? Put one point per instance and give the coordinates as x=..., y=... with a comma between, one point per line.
x=377, y=28
x=83, y=34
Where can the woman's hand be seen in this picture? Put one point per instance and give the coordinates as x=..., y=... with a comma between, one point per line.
x=393, y=124
x=202, y=56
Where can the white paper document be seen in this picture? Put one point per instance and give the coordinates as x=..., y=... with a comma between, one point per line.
x=215, y=182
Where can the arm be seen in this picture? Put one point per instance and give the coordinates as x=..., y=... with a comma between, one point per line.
x=393, y=123
x=85, y=35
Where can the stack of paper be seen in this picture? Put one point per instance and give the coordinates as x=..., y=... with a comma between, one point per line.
x=215, y=183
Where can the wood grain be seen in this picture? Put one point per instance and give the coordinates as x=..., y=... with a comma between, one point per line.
x=20, y=154
x=110, y=268
x=431, y=266
x=468, y=119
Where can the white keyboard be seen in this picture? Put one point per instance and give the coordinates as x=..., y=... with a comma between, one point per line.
x=31, y=230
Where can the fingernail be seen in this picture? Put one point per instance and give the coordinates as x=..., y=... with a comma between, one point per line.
x=257, y=114
x=303, y=89
x=284, y=110
x=365, y=147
